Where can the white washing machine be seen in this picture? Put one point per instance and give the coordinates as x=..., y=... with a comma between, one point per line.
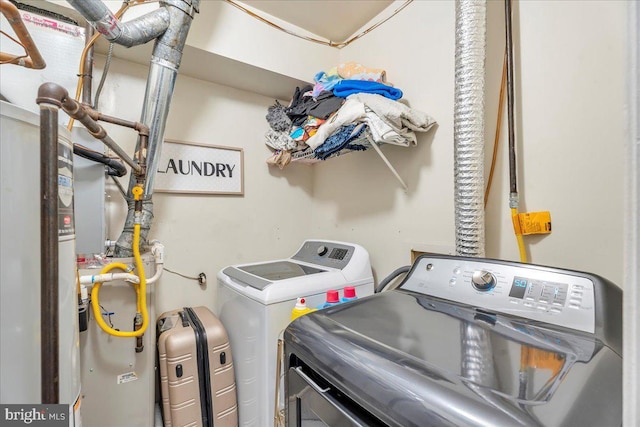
x=255, y=302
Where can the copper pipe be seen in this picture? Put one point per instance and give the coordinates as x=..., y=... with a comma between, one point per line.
x=33, y=59
x=84, y=54
x=496, y=140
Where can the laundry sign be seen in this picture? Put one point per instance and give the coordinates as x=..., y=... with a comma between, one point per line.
x=187, y=167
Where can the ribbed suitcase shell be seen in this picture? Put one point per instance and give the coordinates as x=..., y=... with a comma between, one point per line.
x=180, y=377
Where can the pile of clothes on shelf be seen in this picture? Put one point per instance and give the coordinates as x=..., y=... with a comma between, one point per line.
x=349, y=108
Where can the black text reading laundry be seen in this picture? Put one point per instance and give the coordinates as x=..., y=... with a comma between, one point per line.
x=192, y=167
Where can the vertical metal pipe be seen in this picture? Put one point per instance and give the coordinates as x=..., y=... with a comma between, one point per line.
x=88, y=67
x=165, y=62
x=49, y=362
x=469, y=126
x=513, y=186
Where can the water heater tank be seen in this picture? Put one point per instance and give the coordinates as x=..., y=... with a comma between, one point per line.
x=20, y=262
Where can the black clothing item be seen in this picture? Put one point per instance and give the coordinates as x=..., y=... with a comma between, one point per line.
x=303, y=106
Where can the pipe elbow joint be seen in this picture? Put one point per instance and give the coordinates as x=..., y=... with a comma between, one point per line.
x=144, y=29
x=51, y=93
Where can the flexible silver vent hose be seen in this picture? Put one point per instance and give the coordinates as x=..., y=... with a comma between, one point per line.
x=468, y=126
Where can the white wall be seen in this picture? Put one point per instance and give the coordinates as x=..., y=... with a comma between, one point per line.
x=204, y=233
x=570, y=132
x=570, y=142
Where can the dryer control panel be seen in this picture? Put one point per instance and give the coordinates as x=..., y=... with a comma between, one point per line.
x=544, y=294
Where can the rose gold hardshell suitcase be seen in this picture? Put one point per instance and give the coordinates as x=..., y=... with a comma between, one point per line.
x=197, y=380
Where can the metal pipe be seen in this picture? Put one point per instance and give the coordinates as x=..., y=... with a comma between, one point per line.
x=142, y=129
x=33, y=59
x=165, y=62
x=513, y=186
x=49, y=278
x=135, y=32
x=469, y=126
x=74, y=109
x=88, y=66
x=96, y=115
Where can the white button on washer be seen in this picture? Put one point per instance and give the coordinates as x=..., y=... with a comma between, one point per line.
x=452, y=281
x=456, y=270
x=542, y=307
x=575, y=301
x=577, y=287
x=574, y=306
x=555, y=310
x=528, y=304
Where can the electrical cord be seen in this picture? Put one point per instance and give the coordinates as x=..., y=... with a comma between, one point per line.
x=107, y=313
x=201, y=278
x=181, y=275
x=103, y=78
x=338, y=45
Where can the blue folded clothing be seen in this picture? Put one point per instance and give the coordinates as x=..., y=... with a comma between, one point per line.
x=345, y=88
x=340, y=140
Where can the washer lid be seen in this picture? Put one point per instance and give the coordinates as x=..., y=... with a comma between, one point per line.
x=260, y=276
x=407, y=358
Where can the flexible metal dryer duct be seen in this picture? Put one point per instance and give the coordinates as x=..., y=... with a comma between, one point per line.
x=165, y=61
x=468, y=126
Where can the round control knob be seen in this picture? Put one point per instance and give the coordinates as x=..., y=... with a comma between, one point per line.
x=483, y=280
x=322, y=250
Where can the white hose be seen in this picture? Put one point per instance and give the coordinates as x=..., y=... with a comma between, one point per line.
x=109, y=277
x=157, y=249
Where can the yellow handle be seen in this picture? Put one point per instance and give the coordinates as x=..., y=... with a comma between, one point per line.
x=137, y=192
x=518, y=233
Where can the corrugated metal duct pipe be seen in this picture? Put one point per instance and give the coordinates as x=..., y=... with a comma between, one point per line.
x=468, y=124
x=169, y=25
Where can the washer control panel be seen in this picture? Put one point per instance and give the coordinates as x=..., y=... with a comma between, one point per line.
x=326, y=253
x=544, y=294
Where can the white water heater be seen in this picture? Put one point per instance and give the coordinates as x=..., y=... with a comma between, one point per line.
x=20, y=264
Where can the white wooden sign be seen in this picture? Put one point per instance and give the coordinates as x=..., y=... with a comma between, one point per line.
x=187, y=167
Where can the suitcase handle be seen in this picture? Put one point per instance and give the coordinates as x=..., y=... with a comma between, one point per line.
x=183, y=317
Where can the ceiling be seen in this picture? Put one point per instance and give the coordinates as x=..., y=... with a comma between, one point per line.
x=333, y=20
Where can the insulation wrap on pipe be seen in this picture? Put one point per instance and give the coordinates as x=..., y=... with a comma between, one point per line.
x=135, y=32
x=469, y=126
